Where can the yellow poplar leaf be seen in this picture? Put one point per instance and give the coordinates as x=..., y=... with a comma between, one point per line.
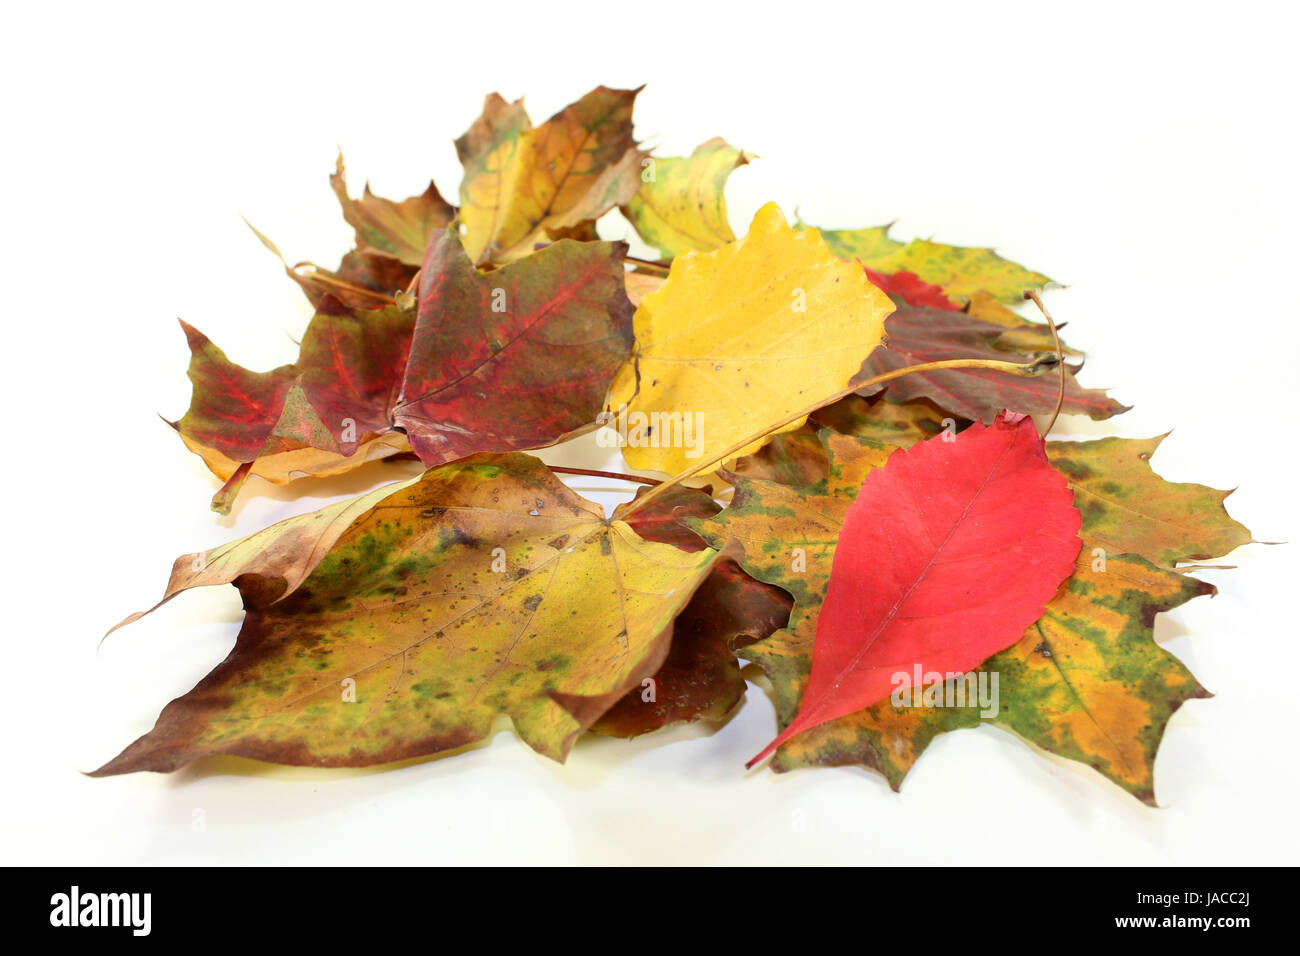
x=682, y=207
x=738, y=339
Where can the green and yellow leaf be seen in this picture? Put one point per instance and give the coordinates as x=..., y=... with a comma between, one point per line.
x=683, y=207
x=524, y=184
x=485, y=587
x=1127, y=507
x=960, y=271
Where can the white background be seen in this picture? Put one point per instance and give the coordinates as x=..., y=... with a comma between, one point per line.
x=1144, y=154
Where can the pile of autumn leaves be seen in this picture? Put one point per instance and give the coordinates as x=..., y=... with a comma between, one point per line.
x=403, y=622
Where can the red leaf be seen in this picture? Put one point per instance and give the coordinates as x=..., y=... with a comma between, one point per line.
x=517, y=358
x=348, y=369
x=912, y=289
x=930, y=335
x=950, y=551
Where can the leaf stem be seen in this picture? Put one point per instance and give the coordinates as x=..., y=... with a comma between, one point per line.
x=1060, y=358
x=1025, y=370
x=593, y=473
x=647, y=264
x=317, y=275
x=414, y=283
x=327, y=280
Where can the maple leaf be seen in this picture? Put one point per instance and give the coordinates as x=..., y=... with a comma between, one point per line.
x=799, y=457
x=1086, y=681
x=265, y=423
x=285, y=552
x=984, y=306
x=960, y=271
x=869, y=246
x=700, y=680
x=1127, y=507
x=516, y=359
x=1089, y=682
x=901, y=425
x=906, y=587
x=917, y=335
x=683, y=207
x=484, y=587
x=526, y=375
x=1020, y=335
x=791, y=458
x=741, y=337
x=522, y=183
x=399, y=230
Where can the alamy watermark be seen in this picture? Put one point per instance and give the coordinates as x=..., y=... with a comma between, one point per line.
x=76, y=908
x=652, y=430
x=953, y=689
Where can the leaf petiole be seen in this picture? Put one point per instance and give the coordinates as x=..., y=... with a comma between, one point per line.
x=1060, y=358
x=594, y=473
x=647, y=264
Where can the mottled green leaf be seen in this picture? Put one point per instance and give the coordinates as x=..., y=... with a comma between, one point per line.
x=1127, y=507
x=1089, y=682
x=485, y=587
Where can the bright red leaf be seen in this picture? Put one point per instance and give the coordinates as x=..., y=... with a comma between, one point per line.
x=949, y=552
x=912, y=289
